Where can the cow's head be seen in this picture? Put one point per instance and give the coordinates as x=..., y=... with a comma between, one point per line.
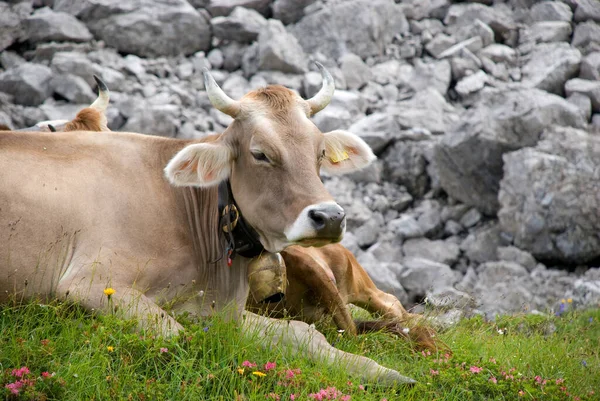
x=92, y=118
x=272, y=154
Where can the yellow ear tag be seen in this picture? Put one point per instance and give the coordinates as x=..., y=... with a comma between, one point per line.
x=339, y=156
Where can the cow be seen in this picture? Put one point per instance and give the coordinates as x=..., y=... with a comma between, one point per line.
x=129, y=222
x=321, y=282
x=92, y=118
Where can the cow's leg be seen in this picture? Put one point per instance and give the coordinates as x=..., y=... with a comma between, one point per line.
x=127, y=302
x=300, y=337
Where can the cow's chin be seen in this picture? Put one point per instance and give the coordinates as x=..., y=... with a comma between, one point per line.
x=279, y=245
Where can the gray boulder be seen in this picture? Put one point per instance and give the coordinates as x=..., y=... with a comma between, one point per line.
x=516, y=255
x=363, y=27
x=160, y=119
x=278, y=50
x=46, y=25
x=460, y=15
x=76, y=64
x=585, y=87
x=550, y=65
x=590, y=67
x=421, y=275
x=377, y=129
x=551, y=11
x=405, y=164
x=11, y=16
x=482, y=244
x=405, y=227
x=469, y=157
x=503, y=287
x=384, y=275
x=72, y=88
x=440, y=251
x=290, y=11
x=29, y=83
x=242, y=25
x=548, y=196
x=550, y=31
x=587, y=10
x=225, y=7
x=586, y=37
x=356, y=72
x=146, y=28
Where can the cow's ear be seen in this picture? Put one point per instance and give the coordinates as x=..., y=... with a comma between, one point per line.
x=200, y=165
x=345, y=152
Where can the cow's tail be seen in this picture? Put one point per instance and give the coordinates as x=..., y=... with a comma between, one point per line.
x=419, y=334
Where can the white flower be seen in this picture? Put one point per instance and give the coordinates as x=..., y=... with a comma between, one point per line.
x=406, y=330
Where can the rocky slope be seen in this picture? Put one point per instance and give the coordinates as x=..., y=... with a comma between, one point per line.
x=484, y=115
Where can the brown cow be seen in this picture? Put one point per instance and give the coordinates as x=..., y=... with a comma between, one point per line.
x=141, y=214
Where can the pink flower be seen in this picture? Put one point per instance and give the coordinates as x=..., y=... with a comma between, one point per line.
x=434, y=372
x=292, y=397
x=494, y=380
x=270, y=365
x=164, y=350
x=273, y=396
x=521, y=393
x=248, y=364
x=559, y=381
x=475, y=369
x=345, y=398
x=46, y=375
x=538, y=379
x=493, y=360
x=15, y=387
x=360, y=386
x=20, y=372
x=290, y=374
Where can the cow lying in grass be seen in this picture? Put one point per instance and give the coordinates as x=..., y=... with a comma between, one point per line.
x=321, y=282
x=133, y=223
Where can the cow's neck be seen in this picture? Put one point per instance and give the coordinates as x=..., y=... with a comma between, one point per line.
x=222, y=285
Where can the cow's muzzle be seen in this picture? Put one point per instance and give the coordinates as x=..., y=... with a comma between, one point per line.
x=317, y=225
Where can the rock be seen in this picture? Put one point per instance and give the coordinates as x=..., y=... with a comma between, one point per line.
x=439, y=251
x=460, y=15
x=384, y=275
x=391, y=71
x=10, y=21
x=469, y=158
x=449, y=298
x=406, y=226
x=72, y=88
x=333, y=29
x=499, y=53
x=366, y=235
x=427, y=109
x=590, y=67
x=587, y=293
x=469, y=45
x=503, y=287
x=436, y=75
x=516, y=255
x=476, y=29
x=550, y=31
x=585, y=87
x=548, y=198
x=233, y=54
x=356, y=72
x=242, y=25
x=470, y=218
x=278, y=50
x=440, y=43
x=551, y=11
x=421, y=275
x=332, y=117
x=45, y=25
x=131, y=27
x=290, y=11
x=550, y=65
x=75, y=64
x=471, y=83
x=405, y=164
x=586, y=37
x=587, y=10
x=218, y=8
x=376, y=129
x=481, y=245
x=429, y=217
x=10, y=60
x=156, y=119
x=215, y=58
x=29, y=83
x=464, y=66
x=583, y=103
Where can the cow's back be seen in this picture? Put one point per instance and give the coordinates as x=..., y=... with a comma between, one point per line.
x=79, y=201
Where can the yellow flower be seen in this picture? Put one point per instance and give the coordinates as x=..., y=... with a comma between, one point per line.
x=562, y=301
x=259, y=374
x=110, y=348
x=570, y=300
x=241, y=371
x=109, y=291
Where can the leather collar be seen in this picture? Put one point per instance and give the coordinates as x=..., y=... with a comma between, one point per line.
x=241, y=238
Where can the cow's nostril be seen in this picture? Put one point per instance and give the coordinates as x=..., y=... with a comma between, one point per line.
x=318, y=219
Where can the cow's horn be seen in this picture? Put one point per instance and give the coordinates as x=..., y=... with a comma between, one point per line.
x=323, y=97
x=218, y=98
x=103, y=96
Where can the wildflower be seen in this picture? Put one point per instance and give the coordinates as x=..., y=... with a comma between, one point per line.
x=241, y=371
x=475, y=369
x=259, y=374
x=273, y=396
x=290, y=374
x=406, y=330
x=360, y=386
x=538, y=379
x=569, y=300
x=205, y=329
x=110, y=348
x=109, y=291
x=270, y=365
x=584, y=363
x=293, y=397
x=500, y=331
x=163, y=350
x=521, y=393
x=563, y=301
x=20, y=372
x=492, y=360
x=45, y=342
x=46, y=375
x=591, y=319
x=493, y=380
x=345, y=398
x=434, y=372
x=560, y=381
x=248, y=364
x=14, y=387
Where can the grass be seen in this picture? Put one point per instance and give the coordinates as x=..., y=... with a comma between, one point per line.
x=62, y=352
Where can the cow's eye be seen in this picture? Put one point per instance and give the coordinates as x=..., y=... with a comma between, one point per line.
x=260, y=156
